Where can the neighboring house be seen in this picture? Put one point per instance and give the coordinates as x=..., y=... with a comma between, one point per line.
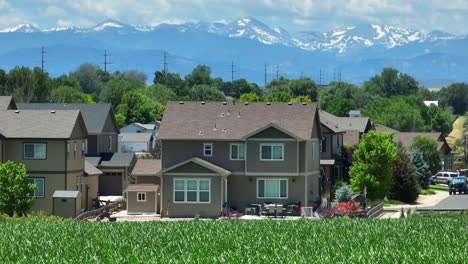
x=116, y=169
x=354, y=126
x=407, y=138
x=91, y=185
x=429, y=103
x=51, y=146
x=100, y=122
x=135, y=142
x=147, y=171
x=238, y=154
x=152, y=128
x=7, y=103
x=331, y=152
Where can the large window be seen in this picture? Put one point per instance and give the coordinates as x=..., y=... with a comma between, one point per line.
x=192, y=190
x=39, y=191
x=237, y=151
x=208, y=149
x=272, y=188
x=272, y=152
x=35, y=151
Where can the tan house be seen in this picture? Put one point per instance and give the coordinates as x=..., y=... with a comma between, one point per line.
x=51, y=146
x=218, y=154
x=142, y=198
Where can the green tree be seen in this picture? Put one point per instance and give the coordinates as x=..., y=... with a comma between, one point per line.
x=456, y=96
x=172, y=81
x=278, y=97
x=66, y=94
x=373, y=163
x=199, y=76
x=423, y=173
x=405, y=186
x=115, y=89
x=428, y=148
x=304, y=99
x=90, y=78
x=67, y=80
x=15, y=189
x=161, y=93
x=206, y=93
x=250, y=97
x=136, y=107
x=338, y=90
x=341, y=107
x=303, y=86
x=439, y=120
x=130, y=75
x=391, y=83
x=278, y=85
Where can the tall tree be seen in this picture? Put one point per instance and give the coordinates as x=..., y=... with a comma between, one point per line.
x=456, y=96
x=15, y=189
x=206, y=93
x=423, y=172
x=303, y=86
x=161, y=93
x=66, y=94
x=136, y=107
x=89, y=77
x=199, y=76
x=405, y=186
x=172, y=81
x=115, y=89
x=391, y=83
x=428, y=148
x=373, y=164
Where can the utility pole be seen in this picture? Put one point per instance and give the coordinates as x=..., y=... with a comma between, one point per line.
x=334, y=74
x=265, y=73
x=320, y=77
x=232, y=71
x=42, y=58
x=277, y=71
x=165, y=63
x=302, y=74
x=105, y=61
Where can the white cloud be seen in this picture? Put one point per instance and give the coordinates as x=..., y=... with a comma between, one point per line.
x=54, y=11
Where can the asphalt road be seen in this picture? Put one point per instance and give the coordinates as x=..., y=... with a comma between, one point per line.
x=458, y=201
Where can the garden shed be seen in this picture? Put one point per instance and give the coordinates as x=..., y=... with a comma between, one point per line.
x=142, y=198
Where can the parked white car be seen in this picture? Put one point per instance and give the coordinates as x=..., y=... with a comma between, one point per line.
x=443, y=177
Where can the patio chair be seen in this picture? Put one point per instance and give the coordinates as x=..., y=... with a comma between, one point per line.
x=275, y=210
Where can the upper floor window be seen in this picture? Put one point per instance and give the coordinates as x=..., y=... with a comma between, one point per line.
x=39, y=191
x=272, y=151
x=237, y=151
x=35, y=151
x=323, y=145
x=208, y=149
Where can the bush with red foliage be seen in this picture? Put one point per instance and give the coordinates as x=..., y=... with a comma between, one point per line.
x=347, y=207
x=327, y=213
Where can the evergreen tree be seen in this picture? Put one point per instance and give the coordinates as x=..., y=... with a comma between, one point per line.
x=423, y=174
x=405, y=185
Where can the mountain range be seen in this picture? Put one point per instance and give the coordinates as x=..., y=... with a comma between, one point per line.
x=244, y=48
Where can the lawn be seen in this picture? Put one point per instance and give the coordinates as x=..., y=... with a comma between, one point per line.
x=434, y=239
x=438, y=187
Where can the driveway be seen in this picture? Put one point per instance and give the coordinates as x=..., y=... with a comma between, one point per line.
x=451, y=202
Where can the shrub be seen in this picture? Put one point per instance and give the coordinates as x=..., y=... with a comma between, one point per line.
x=347, y=207
x=343, y=194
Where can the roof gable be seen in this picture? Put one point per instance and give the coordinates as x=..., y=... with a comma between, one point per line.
x=234, y=120
x=7, y=103
x=197, y=165
x=271, y=131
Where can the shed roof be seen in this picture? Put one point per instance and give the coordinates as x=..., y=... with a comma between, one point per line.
x=117, y=159
x=94, y=115
x=39, y=124
x=66, y=194
x=147, y=167
x=142, y=188
x=234, y=120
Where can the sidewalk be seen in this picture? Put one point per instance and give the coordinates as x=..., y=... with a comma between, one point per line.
x=422, y=201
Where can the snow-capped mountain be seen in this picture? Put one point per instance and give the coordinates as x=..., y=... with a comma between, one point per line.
x=22, y=28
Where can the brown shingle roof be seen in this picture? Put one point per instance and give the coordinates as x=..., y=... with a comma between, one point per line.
x=382, y=128
x=147, y=167
x=38, y=123
x=406, y=138
x=234, y=120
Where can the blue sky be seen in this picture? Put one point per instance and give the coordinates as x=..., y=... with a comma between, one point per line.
x=293, y=15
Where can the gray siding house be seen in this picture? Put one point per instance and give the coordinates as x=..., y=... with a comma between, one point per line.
x=217, y=154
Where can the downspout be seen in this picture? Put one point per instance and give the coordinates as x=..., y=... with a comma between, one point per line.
x=66, y=164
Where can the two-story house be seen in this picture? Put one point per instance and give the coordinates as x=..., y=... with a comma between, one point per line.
x=237, y=154
x=354, y=126
x=51, y=146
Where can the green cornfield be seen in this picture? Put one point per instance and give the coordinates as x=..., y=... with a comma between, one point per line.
x=433, y=239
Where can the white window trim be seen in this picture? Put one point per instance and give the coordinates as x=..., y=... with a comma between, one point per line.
x=287, y=186
x=272, y=145
x=83, y=148
x=204, y=149
x=86, y=146
x=34, y=158
x=230, y=151
x=138, y=196
x=185, y=190
x=43, y=184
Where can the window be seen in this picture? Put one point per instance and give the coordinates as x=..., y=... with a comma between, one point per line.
x=237, y=151
x=35, y=151
x=192, y=190
x=83, y=148
x=86, y=146
x=39, y=191
x=208, y=149
x=141, y=196
x=68, y=150
x=271, y=152
x=323, y=145
x=272, y=188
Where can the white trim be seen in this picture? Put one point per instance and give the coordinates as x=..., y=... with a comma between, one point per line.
x=274, y=126
x=138, y=197
x=185, y=190
x=238, y=148
x=34, y=157
x=204, y=149
x=272, y=145
x=274, y=139
x=269, y=178
x=190, y=174
x=43, y=186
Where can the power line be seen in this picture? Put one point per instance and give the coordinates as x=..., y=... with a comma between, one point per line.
x=277, y=71
x=266, y=73
x=320, y=77
x=232, y=71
